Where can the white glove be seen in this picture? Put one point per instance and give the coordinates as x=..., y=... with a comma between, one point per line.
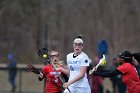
x=40, y=75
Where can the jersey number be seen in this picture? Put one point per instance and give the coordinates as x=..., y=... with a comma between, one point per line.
x=56, y=78
x=71, y=68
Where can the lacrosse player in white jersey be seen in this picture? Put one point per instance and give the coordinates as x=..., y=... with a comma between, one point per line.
x=77, y=67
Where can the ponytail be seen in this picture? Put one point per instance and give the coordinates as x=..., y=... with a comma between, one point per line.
x=137, y=57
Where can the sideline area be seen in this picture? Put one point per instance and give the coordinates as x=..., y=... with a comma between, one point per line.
x=26, y=82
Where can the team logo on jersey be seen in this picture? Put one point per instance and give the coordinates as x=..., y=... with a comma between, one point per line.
x=54, y=73
x=86, y=61
x=72, y=62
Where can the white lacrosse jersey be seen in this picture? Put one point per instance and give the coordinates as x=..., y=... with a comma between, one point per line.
x=74, y=64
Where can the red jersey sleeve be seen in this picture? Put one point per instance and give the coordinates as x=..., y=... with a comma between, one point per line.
x=124, y=68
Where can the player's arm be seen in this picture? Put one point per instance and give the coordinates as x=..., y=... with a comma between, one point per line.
x=107, y=73
x=65, y=70
x=80, y=75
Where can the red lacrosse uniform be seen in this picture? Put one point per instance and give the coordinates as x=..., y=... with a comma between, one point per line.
x=130, y=77
x=50, y=74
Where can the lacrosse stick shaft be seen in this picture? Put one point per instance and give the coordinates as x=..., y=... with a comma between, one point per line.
x=91, y=71
x=61, y=79
x=100, y=62
x=56, y=84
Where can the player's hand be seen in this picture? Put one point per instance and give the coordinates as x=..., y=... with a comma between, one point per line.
x=65, y=85
x=58, y=65
x=95, y=68
x=40, y=75
x=66, y=91
x=59, y=68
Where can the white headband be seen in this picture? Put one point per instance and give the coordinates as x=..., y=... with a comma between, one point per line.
x=54, y=53
x=78, y=40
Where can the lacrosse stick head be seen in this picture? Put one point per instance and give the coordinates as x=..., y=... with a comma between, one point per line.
x=31, y=68
x=44, y=53
x=103, y=61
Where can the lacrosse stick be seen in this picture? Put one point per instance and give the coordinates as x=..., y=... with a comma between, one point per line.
x=102, y=62
x=31, y=68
